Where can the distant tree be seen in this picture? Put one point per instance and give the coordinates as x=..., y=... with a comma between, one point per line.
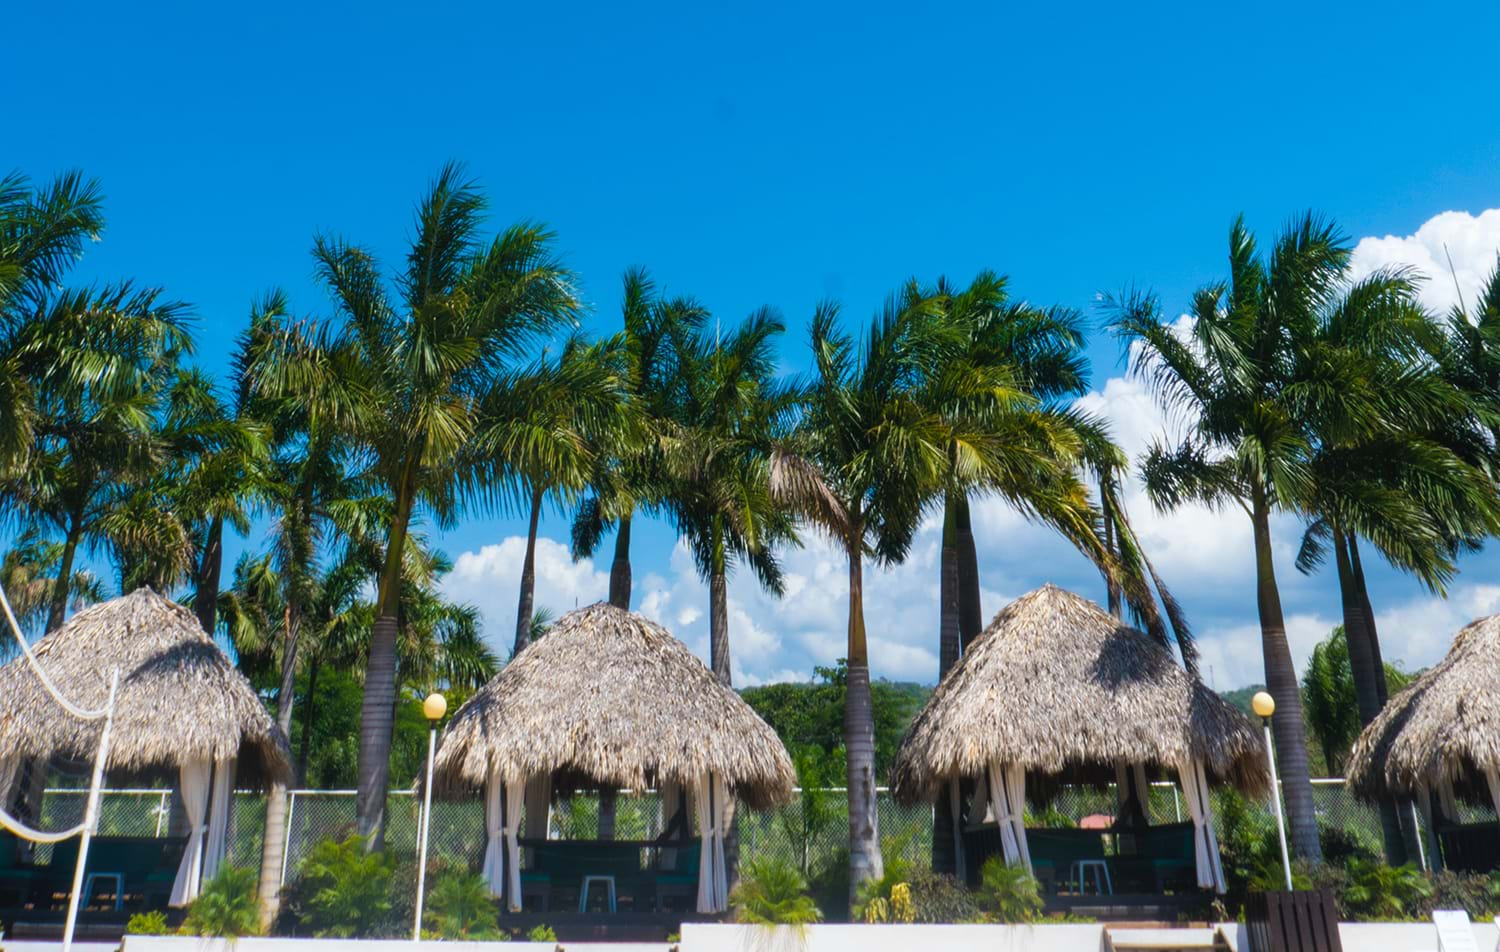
x=1330, y=706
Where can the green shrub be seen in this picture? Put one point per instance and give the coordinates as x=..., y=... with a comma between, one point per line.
x=1384, y=893
x=148, y=923
x=1009, y=893
x=1477, y=893
x=342, y=891
x=772, y=892
x=542, y=933
x=939, y=898
x=226, y=906
x=459, y=906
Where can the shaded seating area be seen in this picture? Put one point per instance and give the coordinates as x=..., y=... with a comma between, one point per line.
x=1437, y=743
x=1057, y=691
x=183, y=713
x=610, y=700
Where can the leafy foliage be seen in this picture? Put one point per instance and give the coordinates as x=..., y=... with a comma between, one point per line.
x=226, y=906
x=1009, y=893
x=1380, y=892
x=342, y=891
x=772, y=892
x=153, y=922
x=1329, y=703
x=459, y=906
x=541, y=933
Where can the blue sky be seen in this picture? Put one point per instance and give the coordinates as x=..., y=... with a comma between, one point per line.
x=780, y=154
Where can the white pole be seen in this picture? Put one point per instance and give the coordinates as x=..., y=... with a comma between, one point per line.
x=286, y=850
x=161, y=812
x=90, y=816
x=1286, y=863
x=422, y=824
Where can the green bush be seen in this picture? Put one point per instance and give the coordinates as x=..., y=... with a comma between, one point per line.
x=148, y=923
x=1009, y=893
x=1477, y=893
x=459, y=906
x=1383, y=893
x=226, y=906
x=342, y=891
x=939, y=898
x=772, y=892
x=542, y=933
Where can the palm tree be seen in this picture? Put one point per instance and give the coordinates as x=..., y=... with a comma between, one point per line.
x=1237, y=382
x=28, y=574
x=404, y=376
x=548, y=427
x=658, y=333
x=859, y=468
x=732, y=413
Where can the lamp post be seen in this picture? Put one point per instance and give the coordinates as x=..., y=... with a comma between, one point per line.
x=433, y=708
x=1264, y=706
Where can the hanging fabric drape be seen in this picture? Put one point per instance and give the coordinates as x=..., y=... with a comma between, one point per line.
x=538, y=810
x=493, y=865
x=193, y=785
x=1007, y=795
x=710, y=796
x=220, y=803
x=1194, y=782
x=514, y=797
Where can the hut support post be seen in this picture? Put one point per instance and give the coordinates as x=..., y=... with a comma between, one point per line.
x=1194, y=782
x=955, y=808
x=1429, y=829
x=538, y=809
x=193, y=780
x=1492, y=777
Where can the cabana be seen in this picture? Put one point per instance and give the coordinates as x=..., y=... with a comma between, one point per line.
x=1438, y=742
x=182, y=709
x=1054, y=691
x=608, y=698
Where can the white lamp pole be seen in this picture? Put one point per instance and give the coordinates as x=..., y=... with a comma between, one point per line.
x=1265, y=705
x=434, y=708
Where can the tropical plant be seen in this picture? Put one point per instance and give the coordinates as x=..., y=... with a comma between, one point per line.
x=1238, y=379
x=1380, y=892
x=153, y=922
x=1328, y=692
x=858, y=468
x=226, y=906
x=772, y=893
x=403, y=377
x=1009, y=893
x=541, y=933
x=28, y=574
x=459, y=906
x=343, y=891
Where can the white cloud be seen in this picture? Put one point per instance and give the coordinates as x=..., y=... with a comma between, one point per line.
x=1471, y=240
x=490, y=579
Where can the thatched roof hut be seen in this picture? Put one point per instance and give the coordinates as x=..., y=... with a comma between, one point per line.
x=180, y=698
x=1056, y=684
x=613, y=697
x=1441, y=733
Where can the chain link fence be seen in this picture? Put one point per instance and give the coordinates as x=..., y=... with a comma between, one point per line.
x=810, y=832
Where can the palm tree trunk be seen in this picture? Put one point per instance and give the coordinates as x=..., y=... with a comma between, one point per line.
x=1281, y=681
x=949, y=641
x=206, y=597
x=273, y=840
x=58, y=610
x=970, y=615
x=859, y=735
x=528, y=578
x=619, y=569
x=1369, y=679
x=718, y=608
x=304, y=745
x=378, y=709
x=1111, y=583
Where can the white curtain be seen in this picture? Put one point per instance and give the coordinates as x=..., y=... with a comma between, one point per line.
x=710, y=795
x=493, y=866
x=1194, y=782
x=1007, y=793
x=514, y=796
x=220, y=803
x=193, y=785
x=538, y=809
x=1492, y=775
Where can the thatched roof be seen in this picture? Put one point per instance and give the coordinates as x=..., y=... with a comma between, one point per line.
x=613, y=697
x=1446, y=723
x=1057, y=684
x=179, y=696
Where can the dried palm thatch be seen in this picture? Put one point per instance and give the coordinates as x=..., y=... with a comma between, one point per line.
x=613, y=697
x=1057, y=684
x=1444, y=725
x=179, y=698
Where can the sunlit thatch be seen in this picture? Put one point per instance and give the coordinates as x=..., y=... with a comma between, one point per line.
x=613, y=697
x=1445, y=724
x=179, y=698
x=1056, y=683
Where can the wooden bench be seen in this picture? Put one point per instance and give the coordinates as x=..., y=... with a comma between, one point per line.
x=1300, y=921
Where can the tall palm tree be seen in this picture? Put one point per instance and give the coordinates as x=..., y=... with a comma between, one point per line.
x=732, y=413
x=658, y=333
x=549, y=426
x=28, y=574
x=859, y=468
x=1238, y=383
x=403, y=376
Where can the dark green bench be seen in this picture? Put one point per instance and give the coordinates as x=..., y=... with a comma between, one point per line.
x=1054, y=851
x=562, y=864
x=681, y=881
x=1160, y=857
